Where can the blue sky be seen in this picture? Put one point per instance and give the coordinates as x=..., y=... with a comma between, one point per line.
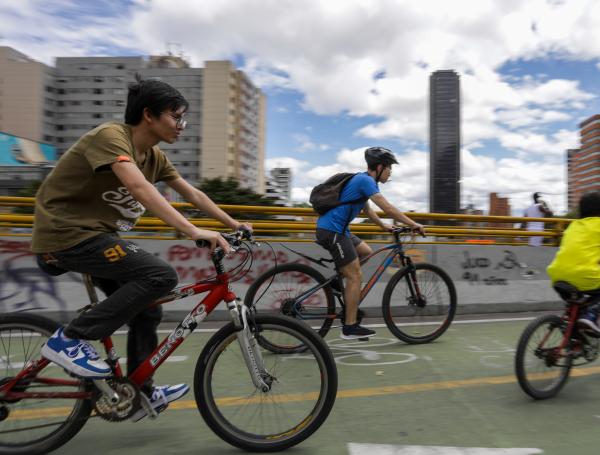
x=342, y=75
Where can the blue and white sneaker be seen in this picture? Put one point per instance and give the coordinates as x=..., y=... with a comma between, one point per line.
x=162, y=395
x=76, y=356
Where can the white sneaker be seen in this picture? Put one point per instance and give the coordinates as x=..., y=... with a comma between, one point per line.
x=77, y=356
x=161, y=397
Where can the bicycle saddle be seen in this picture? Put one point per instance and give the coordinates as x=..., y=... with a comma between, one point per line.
x=569, y=292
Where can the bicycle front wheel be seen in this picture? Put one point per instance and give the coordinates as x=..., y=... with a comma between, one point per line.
x=303, y=387
x=541, y=365
x=419, y=308
x=35, y=425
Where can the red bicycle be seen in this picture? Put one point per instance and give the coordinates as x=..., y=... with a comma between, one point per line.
x=551, y=345
x=250, y=397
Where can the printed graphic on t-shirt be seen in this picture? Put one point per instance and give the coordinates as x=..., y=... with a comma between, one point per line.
x=124, y=203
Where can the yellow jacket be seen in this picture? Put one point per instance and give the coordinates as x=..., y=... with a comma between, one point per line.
x=578, y=258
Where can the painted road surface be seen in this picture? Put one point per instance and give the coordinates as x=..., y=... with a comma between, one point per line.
x=455, y=396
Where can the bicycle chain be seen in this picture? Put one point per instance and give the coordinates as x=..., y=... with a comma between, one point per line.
x=128, y=404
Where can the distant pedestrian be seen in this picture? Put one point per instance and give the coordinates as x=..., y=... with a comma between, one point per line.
x=539, y=209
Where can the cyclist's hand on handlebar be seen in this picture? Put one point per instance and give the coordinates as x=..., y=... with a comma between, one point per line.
x=214, y=238
x=245, y=228
x=388, y=227
x=419, y=228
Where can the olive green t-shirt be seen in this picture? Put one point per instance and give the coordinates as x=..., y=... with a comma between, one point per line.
x=82, y=197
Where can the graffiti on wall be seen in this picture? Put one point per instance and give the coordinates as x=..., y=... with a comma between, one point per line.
x=23, y=286
x=481, y=270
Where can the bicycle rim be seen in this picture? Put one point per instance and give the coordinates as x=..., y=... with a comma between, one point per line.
x=423, y=317
x=277, y=291
x=542, y=367
x=302, y=394
x=35, y=425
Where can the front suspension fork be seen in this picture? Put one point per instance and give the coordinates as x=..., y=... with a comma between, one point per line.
x=248, y=344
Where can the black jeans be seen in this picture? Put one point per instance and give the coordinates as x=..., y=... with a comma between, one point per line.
x=131, y=278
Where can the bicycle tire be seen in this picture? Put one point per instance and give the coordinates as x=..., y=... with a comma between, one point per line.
x=37, y=327
x=285, y=282
x=549, y=363
x=409, y=321
x=209, y=380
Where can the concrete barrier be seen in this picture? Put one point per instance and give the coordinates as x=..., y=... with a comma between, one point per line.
x=488, y=278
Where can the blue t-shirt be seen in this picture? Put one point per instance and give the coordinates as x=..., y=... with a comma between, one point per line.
x=360, y=186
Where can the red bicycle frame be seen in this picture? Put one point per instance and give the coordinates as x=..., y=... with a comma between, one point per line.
x=218, y=290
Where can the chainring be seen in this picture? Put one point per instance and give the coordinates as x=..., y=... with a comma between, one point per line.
x=129, y=402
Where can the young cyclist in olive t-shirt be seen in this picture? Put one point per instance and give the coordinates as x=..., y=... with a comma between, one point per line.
x=99, y=187
x=578, y=259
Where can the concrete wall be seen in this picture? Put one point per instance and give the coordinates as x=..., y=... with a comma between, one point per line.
x=487, y=278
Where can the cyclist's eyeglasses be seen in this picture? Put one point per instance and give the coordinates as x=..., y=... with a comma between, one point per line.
x=180, y=121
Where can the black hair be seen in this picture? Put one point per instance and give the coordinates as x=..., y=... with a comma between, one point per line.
x=536, y=196
x=589, y=204
x=157, y=96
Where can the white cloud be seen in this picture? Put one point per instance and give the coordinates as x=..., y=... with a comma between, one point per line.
x=407, y=189
x=305, y=144
x=364, y=59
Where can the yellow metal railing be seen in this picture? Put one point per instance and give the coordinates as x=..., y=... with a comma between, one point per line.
x=301, y=221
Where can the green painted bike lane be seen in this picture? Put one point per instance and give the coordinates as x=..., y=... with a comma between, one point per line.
x=459, y=391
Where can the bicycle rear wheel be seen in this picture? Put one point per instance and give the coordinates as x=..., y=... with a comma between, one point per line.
x=302, y=393
x=419, y=317
x=35, y=425
x=278, y=290
x=541, y=366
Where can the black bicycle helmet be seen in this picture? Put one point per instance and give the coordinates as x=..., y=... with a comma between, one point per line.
x=379, y=155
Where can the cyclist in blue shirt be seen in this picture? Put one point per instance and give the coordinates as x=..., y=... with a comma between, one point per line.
x=334, y=235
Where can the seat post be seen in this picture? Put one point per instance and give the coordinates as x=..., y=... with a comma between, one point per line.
x=91, y=289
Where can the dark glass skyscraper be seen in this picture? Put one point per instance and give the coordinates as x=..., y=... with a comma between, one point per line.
x=444, y=142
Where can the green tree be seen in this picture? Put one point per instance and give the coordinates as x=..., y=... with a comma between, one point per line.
x=28, y=191
x=229, y=192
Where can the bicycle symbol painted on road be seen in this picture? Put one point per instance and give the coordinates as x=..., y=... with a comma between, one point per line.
x=361, y=354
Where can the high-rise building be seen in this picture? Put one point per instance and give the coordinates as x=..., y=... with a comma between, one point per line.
x=282, y=179
x=26, y=97
x=583, y=164
x=233, y=126
x=225, y=133
x=444, y=142
x=93, y=90
x=571, y=201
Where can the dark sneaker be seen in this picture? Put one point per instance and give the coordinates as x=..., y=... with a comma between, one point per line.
x=589, y=322
x=355, y=332
x=162, y=395
x=76, y=356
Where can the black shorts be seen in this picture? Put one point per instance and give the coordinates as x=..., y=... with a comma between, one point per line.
x=342, y=248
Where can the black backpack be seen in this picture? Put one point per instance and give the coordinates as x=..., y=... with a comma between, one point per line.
x=326, y=195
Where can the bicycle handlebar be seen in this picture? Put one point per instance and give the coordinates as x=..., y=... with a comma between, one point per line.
x=405, y=230
x=234, y=239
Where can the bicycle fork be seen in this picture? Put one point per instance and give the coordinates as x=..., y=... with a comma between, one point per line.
x=248, y=345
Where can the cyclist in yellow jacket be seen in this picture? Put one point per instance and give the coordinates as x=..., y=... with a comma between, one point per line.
x=578, y=259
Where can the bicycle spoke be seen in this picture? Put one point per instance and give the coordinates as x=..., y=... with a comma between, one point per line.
x=30, y=421
x=299, y=394
x=419, y=307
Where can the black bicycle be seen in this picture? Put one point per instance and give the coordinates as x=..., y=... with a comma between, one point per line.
x=419, y=301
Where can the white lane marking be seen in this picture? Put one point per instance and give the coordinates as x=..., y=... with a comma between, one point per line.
x=388, y=449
